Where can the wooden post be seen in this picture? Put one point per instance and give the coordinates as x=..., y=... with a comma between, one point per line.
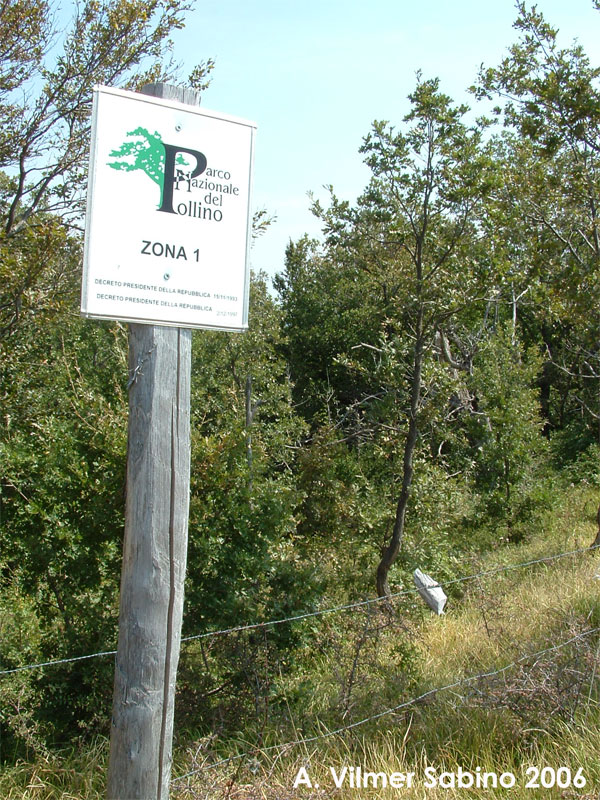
x=154, y=553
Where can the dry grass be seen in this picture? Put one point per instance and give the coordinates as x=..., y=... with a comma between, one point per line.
x=60, y=776
x=505, y=614
x=274, y=779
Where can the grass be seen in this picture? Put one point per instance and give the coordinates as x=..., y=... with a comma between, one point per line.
x=64, y=775
x=273, y=778
x=540, y=714
x=543, y=713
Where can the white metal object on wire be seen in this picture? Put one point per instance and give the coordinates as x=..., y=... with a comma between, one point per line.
x=430, y=591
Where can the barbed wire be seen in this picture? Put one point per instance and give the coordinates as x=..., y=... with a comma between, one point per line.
x=404, y=592
x=309, y=614
x=58, y=661
x=399, y=707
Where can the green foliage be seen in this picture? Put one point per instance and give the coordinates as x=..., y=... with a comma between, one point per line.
x=62, y=464
x=585, y=467
x=199, y=77
x=62, y=380
x=506, y=426
x=243, y=491
x=327, y=310
x=19, y=639
x=62, y=458
x=417, y=235
x=547, y=211
x=436, y=536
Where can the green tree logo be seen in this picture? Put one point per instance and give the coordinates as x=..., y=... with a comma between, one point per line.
x=148, y=152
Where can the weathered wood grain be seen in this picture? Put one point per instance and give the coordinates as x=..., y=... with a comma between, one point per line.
x=154, y=553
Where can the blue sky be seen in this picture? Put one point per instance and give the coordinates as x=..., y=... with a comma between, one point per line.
x=315, y=74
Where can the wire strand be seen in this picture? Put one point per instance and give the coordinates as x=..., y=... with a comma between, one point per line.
x=414, y=590
x=59, y=661
x=307, y=615
x=399, y=707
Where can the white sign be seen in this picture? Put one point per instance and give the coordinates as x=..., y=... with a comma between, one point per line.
x=168, y=213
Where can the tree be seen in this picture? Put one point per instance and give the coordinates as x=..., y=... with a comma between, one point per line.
x=242, y=485
x=506, y=425
x=550, y=103
x=62, y=460
x=328, y=307
x=416, y=232
x=46, y=95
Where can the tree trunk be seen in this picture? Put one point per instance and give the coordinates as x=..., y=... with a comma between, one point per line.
x=390, y=553
x=596, y=542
